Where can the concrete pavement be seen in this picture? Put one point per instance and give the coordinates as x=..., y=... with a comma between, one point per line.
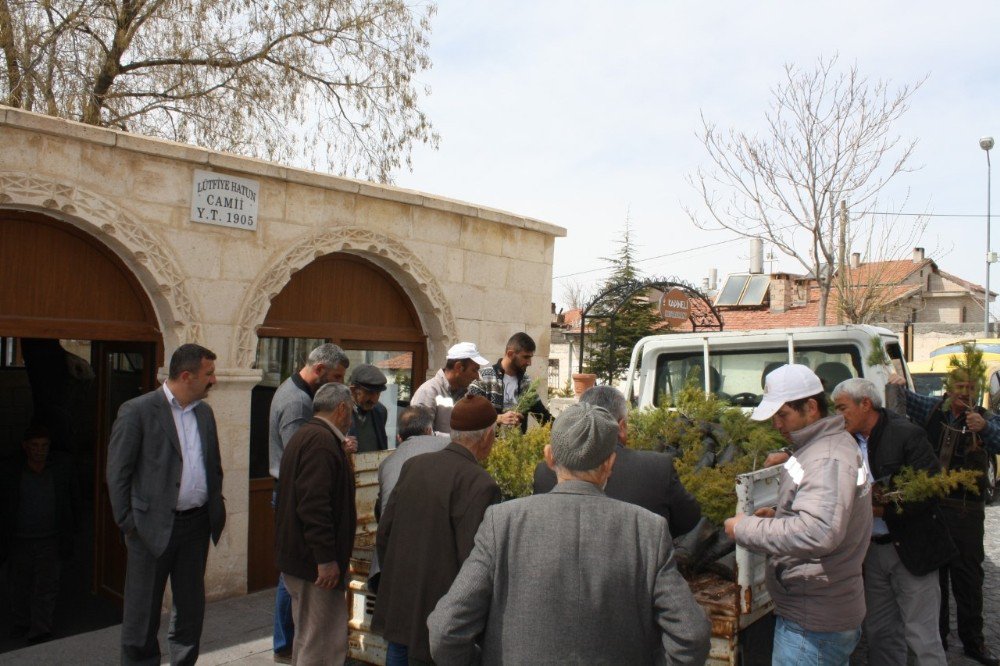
x=238, y=630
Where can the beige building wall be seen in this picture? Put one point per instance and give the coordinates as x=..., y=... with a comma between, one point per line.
x=473, y=273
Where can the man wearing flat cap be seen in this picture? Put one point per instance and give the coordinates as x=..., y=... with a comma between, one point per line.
x=571, y=576
x=370, y=416
x=439, y=393
x=428, y=526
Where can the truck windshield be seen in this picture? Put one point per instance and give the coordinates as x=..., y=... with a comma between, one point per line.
x=738, y=375
x=928, y=383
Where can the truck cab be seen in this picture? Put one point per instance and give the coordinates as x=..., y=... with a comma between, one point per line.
x=733, y=365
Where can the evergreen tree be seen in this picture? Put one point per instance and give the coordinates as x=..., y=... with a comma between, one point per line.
x=609, y=345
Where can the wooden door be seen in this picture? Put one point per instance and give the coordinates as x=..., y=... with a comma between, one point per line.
x=124, y=371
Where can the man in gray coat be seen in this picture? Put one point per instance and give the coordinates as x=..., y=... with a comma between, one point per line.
x=816, y=537
x=165, y=485
x=571, y=576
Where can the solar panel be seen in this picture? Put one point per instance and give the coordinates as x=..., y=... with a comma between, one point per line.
x=732, y=290
x=754, y=294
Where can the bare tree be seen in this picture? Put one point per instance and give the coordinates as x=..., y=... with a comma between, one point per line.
x=827, y=139
x=575, y=295
x=331, y=80
x=875, y=287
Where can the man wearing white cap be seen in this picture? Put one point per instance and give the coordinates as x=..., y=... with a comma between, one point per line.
x=439, y=393
x=817, y=536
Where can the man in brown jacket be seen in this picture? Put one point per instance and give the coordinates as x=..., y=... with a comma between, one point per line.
x=428, y=528
x=316, y=519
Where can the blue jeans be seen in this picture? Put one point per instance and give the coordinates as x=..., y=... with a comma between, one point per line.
x=396, y=654
x=284, y=630
x=796, y=646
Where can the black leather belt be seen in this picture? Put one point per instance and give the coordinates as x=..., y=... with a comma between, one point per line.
x=881, y=539
x=188, y=512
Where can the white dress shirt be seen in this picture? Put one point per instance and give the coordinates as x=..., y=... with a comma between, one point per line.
x=194, y=487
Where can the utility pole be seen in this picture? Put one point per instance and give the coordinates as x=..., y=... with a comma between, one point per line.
x=841, y=254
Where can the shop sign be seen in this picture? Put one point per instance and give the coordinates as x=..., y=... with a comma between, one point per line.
x=675, y=307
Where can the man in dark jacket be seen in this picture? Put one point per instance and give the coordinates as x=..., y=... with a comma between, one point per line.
x=962, y=438
x=370, y=416
x=39, y=518
x=907, y=546
x=314, y=534
x=645, y=478
x=428, y=527
x=504, y=383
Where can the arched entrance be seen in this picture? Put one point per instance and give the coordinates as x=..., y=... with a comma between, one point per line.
x=78, y=336
x=341, y=298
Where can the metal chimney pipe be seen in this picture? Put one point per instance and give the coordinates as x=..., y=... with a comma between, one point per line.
x=756, y=256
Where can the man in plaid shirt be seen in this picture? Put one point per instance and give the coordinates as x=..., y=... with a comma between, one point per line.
x=504, y=382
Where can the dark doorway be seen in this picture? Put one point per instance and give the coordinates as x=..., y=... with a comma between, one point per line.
x=65, y=298
x=72, y=388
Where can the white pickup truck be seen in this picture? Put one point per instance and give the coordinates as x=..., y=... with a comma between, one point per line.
x=733, y=366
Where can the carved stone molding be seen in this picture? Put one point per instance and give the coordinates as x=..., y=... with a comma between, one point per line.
x=100, y=217
x=390, y=254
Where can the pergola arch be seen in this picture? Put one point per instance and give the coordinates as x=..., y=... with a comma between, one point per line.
x=608, y=303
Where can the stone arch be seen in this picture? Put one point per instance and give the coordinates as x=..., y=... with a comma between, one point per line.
x=391, y=255
x=146, y=254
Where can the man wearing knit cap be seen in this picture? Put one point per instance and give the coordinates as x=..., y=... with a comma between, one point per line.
x=370, y=416
x=428, y=526
x=571, y=576
x=817, y=536
x=439, y=393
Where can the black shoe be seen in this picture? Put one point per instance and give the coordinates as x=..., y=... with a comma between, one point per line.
x=982, y=654
x=40, y=638
x=18, y=631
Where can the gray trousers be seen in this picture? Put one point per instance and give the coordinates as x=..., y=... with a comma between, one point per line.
x=320, y=623
x=902, y=611
x=145, y=580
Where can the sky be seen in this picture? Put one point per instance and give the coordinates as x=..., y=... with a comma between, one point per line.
x=581, y=114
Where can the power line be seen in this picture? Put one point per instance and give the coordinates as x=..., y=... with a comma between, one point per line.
x=660, y=256
x=743, y=238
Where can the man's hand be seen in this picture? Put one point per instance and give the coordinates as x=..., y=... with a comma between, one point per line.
x=730, y=525
x=509, y=418
x=975, y=421
x=329, y=576
x=776, y=458
x=765, y=512
x=350, y=444
x=898, y=380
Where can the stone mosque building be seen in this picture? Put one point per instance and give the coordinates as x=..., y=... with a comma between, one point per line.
x=117, y=248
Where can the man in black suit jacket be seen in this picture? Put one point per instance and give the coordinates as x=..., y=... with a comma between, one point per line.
x=165, y=484
x=645, y=478
x=370, y=416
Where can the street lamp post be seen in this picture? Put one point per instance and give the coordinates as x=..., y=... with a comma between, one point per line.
x=986, y=143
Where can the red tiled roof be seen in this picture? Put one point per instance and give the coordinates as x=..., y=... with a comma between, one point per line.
x=400, y=362
x=887, y=272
